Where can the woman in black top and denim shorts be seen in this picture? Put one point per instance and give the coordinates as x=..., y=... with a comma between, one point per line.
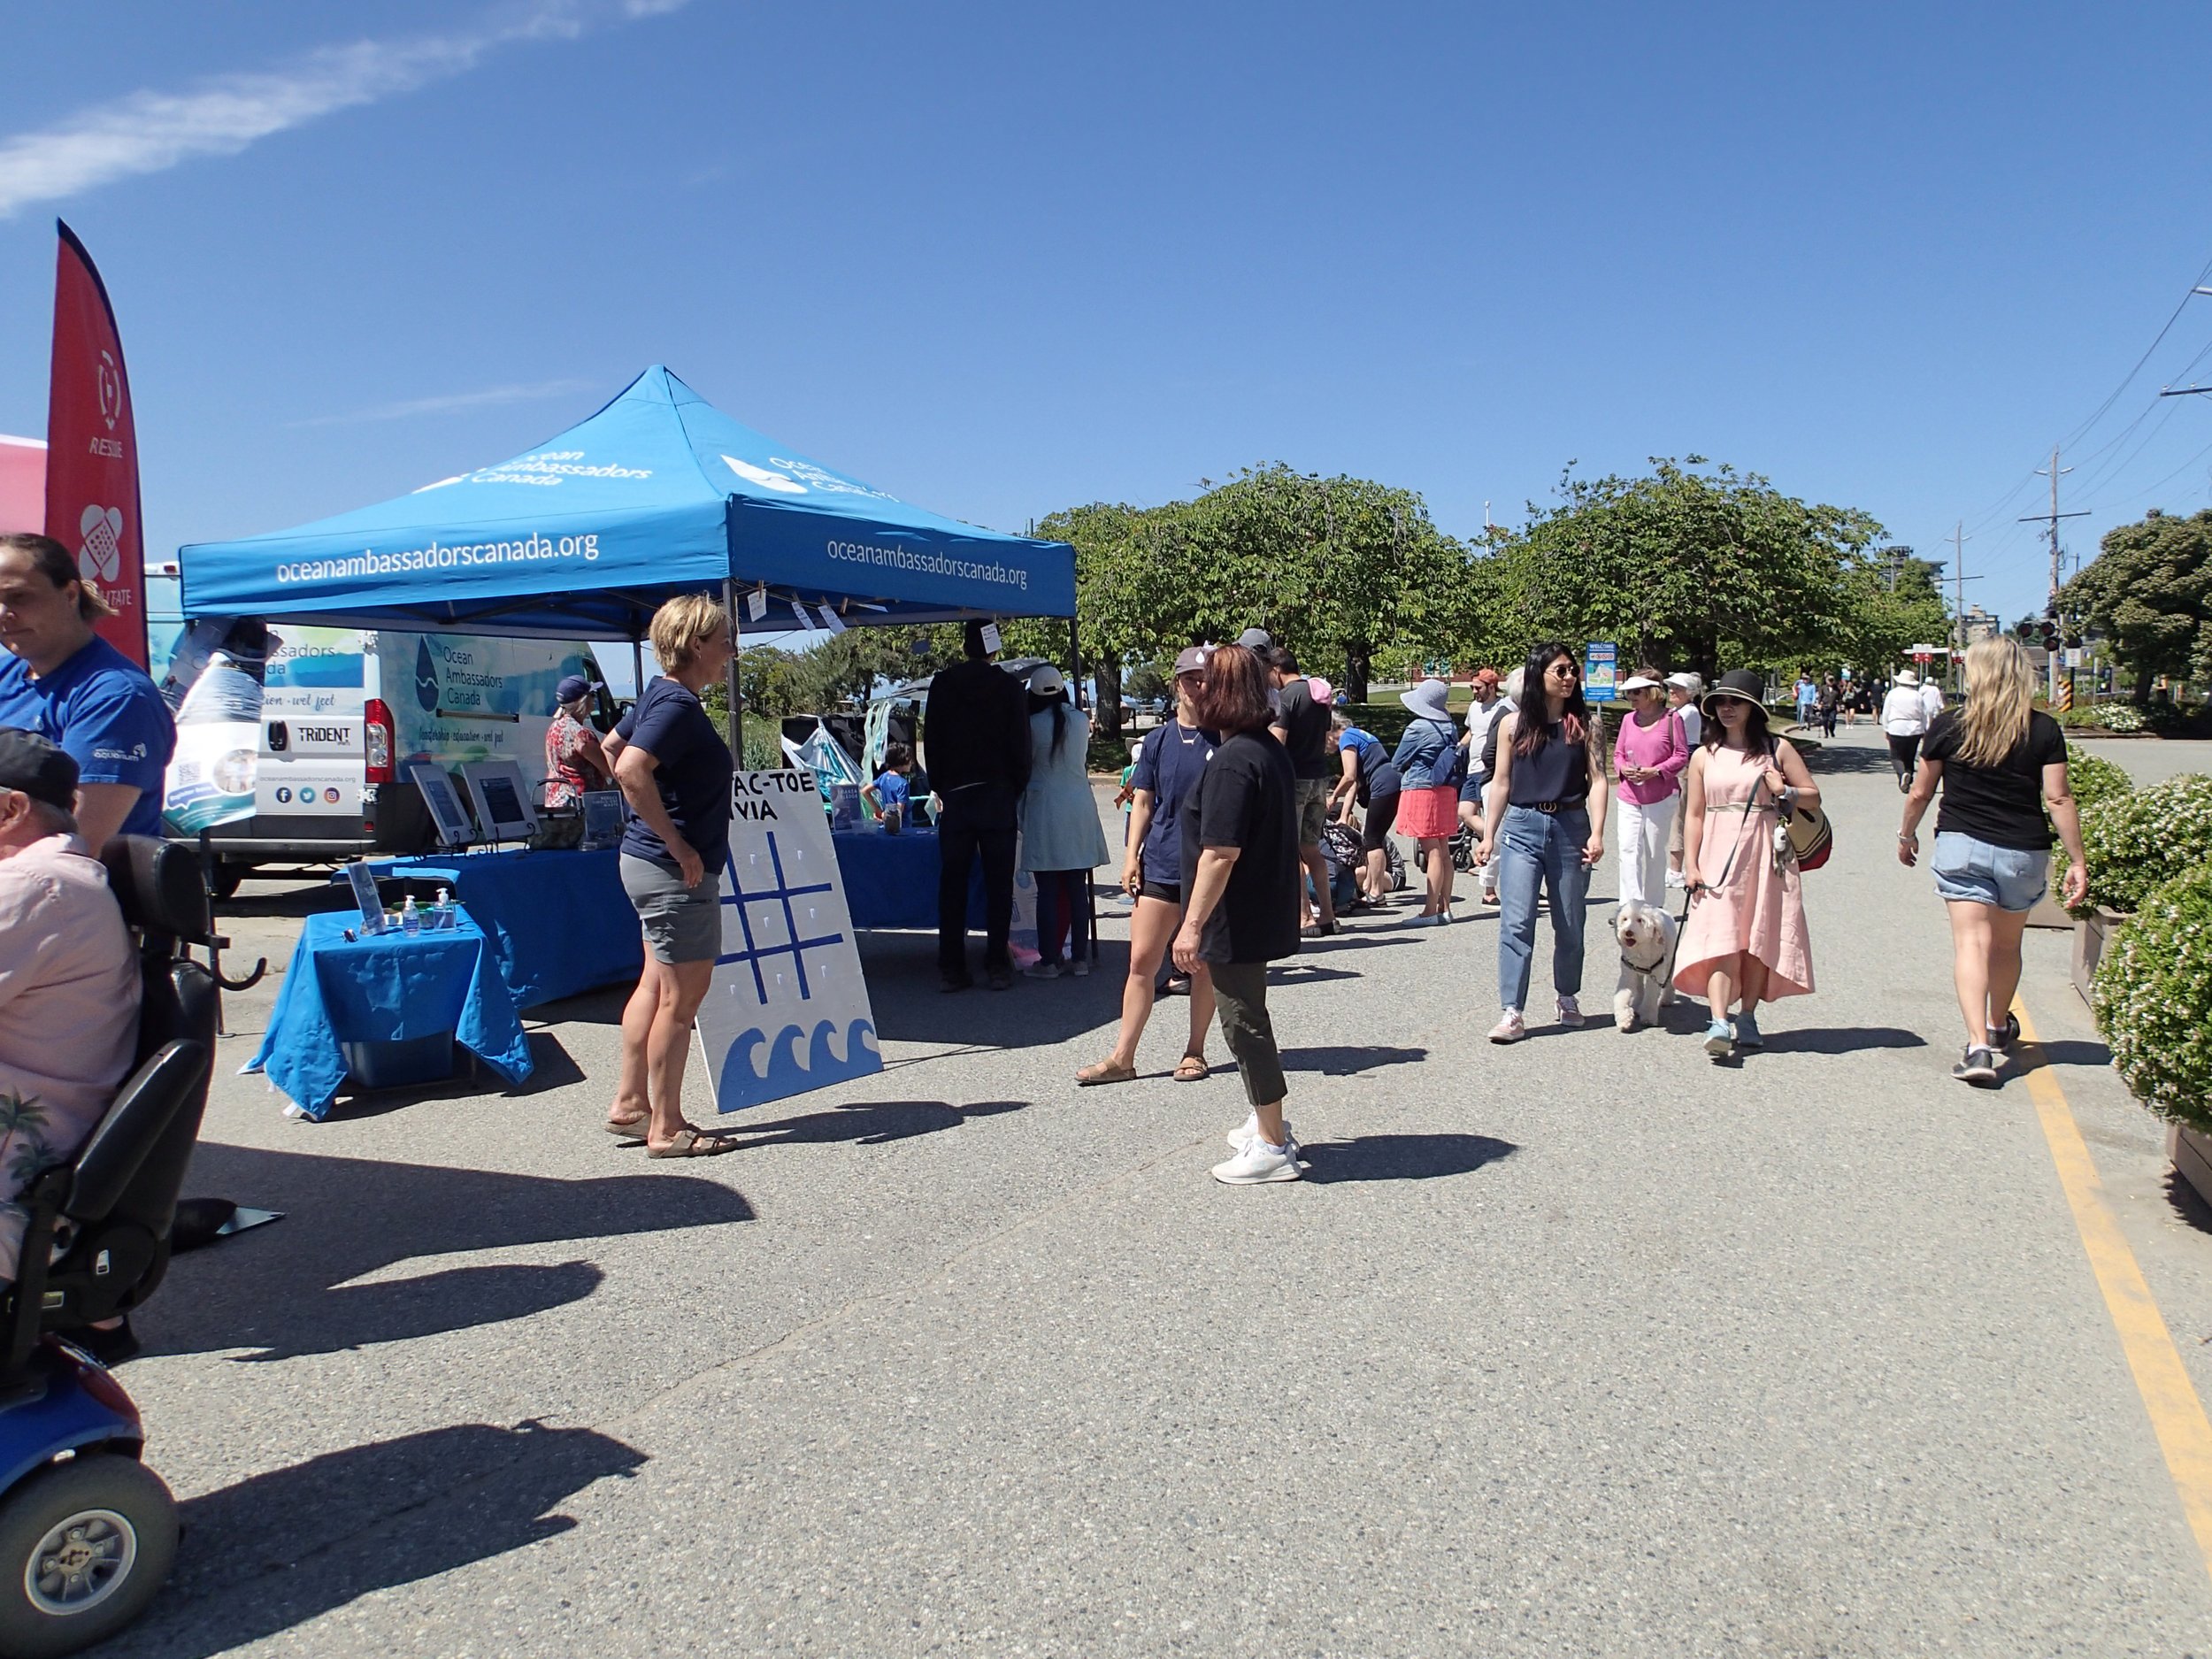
x=2000, y=762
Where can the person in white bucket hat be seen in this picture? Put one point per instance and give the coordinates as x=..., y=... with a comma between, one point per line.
x=1905, y=721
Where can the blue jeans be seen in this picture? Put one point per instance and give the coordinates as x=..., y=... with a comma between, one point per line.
x=1536, y=849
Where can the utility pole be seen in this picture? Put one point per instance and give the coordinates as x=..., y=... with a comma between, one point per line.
x=2050, y=519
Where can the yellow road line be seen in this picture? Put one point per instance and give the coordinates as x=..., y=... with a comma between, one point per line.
x=2177, y=1415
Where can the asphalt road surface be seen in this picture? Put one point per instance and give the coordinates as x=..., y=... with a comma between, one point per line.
x=1585, y=1346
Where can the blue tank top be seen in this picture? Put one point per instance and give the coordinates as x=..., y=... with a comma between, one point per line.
x=1558, y=770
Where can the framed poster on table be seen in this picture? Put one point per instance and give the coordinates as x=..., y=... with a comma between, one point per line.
x=503, y=799
x=444, y=801
x=603, y=820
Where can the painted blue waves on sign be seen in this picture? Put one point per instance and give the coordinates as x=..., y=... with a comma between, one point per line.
x=742, y=1084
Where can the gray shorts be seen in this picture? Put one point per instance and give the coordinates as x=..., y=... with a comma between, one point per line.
x=1313, y=809
x=681, y=923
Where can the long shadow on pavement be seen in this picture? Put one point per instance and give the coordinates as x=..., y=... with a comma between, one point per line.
x=1348, y=1059
x=901, y=969
x=2068, y=1051
x=1403, y=1157
x=281, y=1549
x=277, y=1288
x=1842, y=1040
x=866, y=1123
x=1840, y=760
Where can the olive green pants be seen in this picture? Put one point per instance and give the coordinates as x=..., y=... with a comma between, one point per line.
x=1240, y=1004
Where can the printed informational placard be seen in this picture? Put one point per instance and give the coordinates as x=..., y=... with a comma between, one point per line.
x=788, y=1010
x=830, y=620
x=444, y=801
x=366, y=898
x=991, y=640
x=756, y=604
x=1601, y=669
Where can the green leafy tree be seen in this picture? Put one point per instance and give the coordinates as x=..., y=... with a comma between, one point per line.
x=1694, y=564
x=2149, y=590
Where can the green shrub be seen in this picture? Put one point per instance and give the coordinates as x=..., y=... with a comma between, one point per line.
x=2119, y=717
x=2093, y=777
x=2140, y=839
x=2154, y=999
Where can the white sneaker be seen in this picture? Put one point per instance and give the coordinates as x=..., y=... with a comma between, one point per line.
x=1678, y=882
x=1246, y=1132
x=1569, y=1011
x=1259, y=1162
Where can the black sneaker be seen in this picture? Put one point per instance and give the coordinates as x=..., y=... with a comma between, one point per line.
x=1978, y=1066
x=955, y=982
x=2002, y=1037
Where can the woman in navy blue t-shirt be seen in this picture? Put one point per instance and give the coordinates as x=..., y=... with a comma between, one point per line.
x=674, y=771
x=1174, y=754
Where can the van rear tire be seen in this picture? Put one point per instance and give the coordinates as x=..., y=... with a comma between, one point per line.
x=223, y=880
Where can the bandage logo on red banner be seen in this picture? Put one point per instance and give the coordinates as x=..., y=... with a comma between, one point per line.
x=92, y=503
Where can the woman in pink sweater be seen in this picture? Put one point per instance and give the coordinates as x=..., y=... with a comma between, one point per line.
x=1648, y=755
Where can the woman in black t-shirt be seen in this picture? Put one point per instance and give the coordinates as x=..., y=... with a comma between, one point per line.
x=1240, y=873
x=2000, y=762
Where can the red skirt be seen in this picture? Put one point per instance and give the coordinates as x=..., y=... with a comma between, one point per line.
x=1429, y=814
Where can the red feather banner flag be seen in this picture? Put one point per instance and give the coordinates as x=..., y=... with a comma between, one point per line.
x=92, y=449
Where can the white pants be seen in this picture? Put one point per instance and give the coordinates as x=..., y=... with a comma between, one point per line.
x=1641, y=848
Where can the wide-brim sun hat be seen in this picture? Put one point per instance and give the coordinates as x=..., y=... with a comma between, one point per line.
x=1906, y=677
x=1737, y=682
x=1427, y=700
x=1687, y=681
x=1642, y=682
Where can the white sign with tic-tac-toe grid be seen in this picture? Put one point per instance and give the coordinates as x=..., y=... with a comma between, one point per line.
x=788, y=1011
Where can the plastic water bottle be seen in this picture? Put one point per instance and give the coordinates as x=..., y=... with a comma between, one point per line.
x=409, y=917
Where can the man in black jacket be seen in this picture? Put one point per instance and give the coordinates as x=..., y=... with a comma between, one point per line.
x=975, y=740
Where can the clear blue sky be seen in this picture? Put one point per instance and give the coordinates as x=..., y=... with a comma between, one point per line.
x=999, y=260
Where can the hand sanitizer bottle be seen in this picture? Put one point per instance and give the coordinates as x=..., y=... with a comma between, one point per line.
x=409, y=917
x=442, y=913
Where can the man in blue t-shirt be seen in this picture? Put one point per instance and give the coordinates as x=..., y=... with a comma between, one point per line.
x=59, y=679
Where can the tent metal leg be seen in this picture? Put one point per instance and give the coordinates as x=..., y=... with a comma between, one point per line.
x=737, y=712
x=1075, y=664
x=637, y=668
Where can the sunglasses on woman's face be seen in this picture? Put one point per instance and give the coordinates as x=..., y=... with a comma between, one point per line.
x=1566, y=671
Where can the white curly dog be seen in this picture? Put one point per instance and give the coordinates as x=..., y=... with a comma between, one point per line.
x=1645, y=935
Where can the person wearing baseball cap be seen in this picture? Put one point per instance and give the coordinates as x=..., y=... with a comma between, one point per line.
x=1153, y=867
x=69, y=1021
x=574, y=761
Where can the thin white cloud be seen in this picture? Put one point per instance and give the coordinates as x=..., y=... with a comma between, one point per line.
x=150, y=132
x=488, y=396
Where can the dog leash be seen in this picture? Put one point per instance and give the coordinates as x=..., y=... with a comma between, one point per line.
x=1689, y=893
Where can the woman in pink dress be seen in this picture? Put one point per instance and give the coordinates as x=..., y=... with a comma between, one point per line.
x=1746, y=933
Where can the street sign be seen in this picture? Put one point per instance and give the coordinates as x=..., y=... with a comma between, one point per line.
x=1601, y=669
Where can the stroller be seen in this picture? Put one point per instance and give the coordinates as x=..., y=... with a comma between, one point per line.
x=1340, y=845
x=1462, y=847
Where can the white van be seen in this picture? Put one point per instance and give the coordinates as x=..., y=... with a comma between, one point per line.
x=345, y=711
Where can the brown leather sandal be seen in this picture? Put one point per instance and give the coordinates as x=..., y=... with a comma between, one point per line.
x=1191, y=1068
x=1105, y=1071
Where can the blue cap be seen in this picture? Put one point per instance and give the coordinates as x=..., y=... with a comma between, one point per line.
x=572, y=687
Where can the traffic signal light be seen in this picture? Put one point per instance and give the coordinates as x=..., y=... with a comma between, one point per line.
x=2050, y=628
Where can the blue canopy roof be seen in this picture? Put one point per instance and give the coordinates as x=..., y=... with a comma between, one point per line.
x=659, y=493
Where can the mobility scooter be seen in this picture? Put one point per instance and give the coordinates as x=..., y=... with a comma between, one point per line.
x=88, y=1532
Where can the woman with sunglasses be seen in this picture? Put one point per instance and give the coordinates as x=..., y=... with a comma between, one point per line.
x=1746, y=933
x=1545, y=824
x=1167, y=769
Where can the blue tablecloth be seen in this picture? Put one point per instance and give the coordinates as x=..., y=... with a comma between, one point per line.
x=557, y=924
x=891, y=881
x=390, y=989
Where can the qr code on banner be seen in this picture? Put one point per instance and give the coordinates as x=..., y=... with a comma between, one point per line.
x=187, y=771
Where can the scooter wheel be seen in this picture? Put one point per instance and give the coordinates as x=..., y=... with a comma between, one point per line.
x=84, y=1547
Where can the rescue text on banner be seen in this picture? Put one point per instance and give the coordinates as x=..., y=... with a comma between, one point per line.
x=92, y=449
x=788, y=1011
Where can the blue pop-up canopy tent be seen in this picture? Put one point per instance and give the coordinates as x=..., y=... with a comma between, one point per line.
x=659, y=493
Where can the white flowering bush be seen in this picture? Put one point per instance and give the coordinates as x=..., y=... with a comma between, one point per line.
x=2154, y=999
x=2120, y=716
x=2140, y=839
x=2093, y=778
